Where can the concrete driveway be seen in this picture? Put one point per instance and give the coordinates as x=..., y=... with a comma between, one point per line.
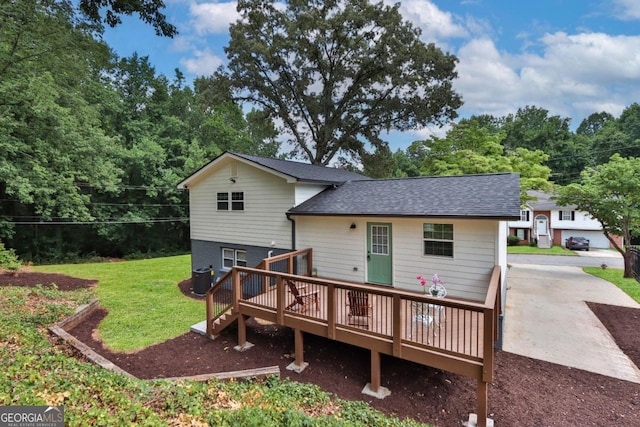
x=547, y=318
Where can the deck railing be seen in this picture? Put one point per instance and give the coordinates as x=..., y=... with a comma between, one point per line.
x=405, y=324
x=446, y=333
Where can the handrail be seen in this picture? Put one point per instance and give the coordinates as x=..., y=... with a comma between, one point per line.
x=225, y=306
x=449, y=301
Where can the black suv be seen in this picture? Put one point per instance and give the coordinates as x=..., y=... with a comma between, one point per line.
x=574, y=243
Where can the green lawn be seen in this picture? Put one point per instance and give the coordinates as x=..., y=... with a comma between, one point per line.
x=525, y=249
x=614, y=275
x=144, y=302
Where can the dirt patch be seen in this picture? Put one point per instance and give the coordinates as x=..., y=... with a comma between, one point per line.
x=30, y=279
x=623, y=323
x=524, y=392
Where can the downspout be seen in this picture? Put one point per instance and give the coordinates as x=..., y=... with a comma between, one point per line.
x=293, y=231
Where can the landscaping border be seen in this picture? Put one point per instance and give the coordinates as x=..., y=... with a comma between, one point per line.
x=84, y=311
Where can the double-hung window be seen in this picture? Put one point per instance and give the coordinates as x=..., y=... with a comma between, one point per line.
x=567, y=216
x=232, y=257
x=223, y=201
x=237, y=201
x=230, y=201
x=437, y=239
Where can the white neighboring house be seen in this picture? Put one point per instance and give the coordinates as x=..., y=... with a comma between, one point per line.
x=245, y=208
x=548, y=224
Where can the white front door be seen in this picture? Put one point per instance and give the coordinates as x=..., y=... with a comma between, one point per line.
x=541, y=225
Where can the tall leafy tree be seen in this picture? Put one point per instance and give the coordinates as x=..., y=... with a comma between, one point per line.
x=610, y=193
x=337, y=73
x=594, y=123
x=51, y=143
x=533, y=128
x=469, y=148
x=110, y=12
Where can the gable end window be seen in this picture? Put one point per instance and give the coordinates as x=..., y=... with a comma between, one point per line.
x=237, y=201
x=223, y=201
x=524, y=216
x=567, y=215
x=437, y=239
x=235, y=204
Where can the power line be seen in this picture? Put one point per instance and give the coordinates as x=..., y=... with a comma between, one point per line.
x=98, y=222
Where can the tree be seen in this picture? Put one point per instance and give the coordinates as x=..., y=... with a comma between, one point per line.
x=149, y=12
x=471, y=149
x=336, y=74
x=610, y=193
x=594, y=123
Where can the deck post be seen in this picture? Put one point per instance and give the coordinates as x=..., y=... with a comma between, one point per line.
x=242, y=330
x=397, y=326
x=331, y=311
x=236, y=284
x=375, y=371
x=243, y=344
x=299, y=364
x=482, y=403
x=280, y=301
x=209, y=308
x=374, y=388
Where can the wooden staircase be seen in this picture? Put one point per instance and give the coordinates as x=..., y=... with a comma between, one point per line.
x=222, y=298
x=221, y=311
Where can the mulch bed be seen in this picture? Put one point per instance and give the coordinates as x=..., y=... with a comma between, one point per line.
x=524, y=392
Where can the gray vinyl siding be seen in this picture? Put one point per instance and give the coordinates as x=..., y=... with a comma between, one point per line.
x=205, y=254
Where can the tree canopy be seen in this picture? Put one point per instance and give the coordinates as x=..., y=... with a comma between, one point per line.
x=469, y=148
x=336, y=74
x=149, y=11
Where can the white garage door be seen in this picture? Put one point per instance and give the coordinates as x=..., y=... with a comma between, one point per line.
x=596, y=238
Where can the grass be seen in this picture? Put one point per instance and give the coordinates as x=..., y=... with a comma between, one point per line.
x=144, y=303
x=525, y=249
x=37, y=372
x=614, y=275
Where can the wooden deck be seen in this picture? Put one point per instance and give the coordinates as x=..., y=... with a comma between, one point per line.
x=446, y=333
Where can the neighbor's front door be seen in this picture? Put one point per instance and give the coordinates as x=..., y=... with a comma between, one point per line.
x=541, y=222
x=379, y=253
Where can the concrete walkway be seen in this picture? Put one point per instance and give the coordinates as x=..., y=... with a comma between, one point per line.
x=547, y=318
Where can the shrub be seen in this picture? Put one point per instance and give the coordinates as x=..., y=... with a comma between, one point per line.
x=513, y=240
x=8, y=259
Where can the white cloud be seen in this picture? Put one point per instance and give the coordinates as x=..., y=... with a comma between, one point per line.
x=214, y=17
x=434, y=23
x=573, y=76
x=627, y=9
x=181, y=44
x=203, y=63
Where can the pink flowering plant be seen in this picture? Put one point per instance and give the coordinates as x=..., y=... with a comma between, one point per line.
x=437, y=288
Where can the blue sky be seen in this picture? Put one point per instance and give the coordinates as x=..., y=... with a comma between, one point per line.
x=571, y=57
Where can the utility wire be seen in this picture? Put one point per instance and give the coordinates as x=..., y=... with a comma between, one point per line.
x=133, y=221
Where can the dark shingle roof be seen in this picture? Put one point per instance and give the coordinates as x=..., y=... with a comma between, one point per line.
x=304, y=171
x=495, y=196
x=544, y=201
